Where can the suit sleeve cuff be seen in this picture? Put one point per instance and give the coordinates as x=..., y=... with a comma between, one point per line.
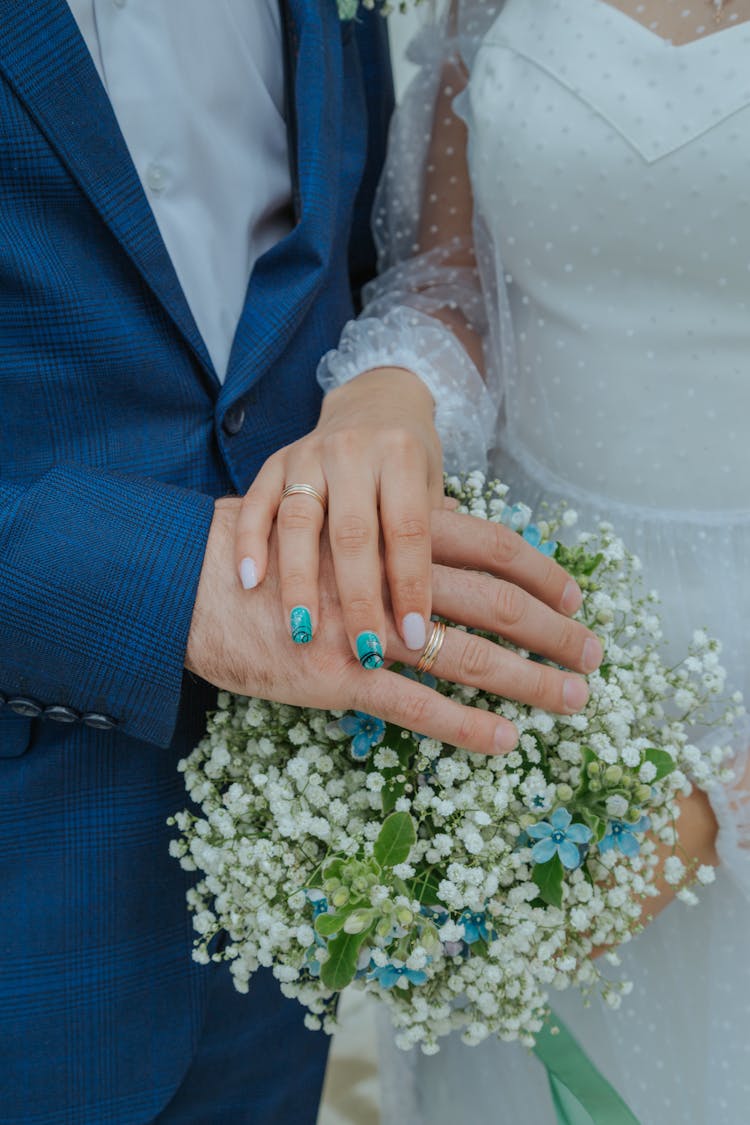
x=98, y=578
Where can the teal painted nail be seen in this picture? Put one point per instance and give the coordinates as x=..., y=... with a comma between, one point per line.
x=300, y=625
x=370, y=650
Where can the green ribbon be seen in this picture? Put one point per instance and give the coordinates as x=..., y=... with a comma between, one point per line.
x=580, y=1094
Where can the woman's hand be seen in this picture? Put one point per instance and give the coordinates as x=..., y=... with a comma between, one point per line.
x=375, y=457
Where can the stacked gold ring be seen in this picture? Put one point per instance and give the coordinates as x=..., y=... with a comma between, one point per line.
x=305, y=490
x=432, y=648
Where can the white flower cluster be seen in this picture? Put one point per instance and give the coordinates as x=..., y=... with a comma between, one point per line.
x=348, y=9
x=458, y=888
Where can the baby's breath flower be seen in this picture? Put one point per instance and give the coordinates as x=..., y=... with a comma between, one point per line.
x=288, y=840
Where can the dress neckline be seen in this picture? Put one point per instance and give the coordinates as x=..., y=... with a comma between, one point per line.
x=662, y=39
x=658, y=97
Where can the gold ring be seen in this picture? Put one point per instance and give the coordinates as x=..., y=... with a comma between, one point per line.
x=305, y=490
x=432, y=648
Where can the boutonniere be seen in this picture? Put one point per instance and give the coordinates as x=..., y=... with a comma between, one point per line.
x=348, y=8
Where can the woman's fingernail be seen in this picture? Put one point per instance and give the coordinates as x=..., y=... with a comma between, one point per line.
x=370, y=650
x=572, y=598
x=506, y=739
x=300, y=625
x=414, y=631
x=248, y=574
x=593, y=654
x=575, y=693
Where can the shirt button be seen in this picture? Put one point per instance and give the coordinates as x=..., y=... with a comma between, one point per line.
x=156, y=178
x=119, y=3
x=60, y=714
x=97, y=721
x=234, y=420
x=26, y=707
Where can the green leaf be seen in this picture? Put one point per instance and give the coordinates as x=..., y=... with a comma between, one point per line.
x=662, y=760
x=577, y=561
x=341, y=966
x=396, y=839
x=597, y=825
x=549, y=878
x=390, y=793
x=327, y=924
x=424, y=887
x=392, y=738
x=587, y=755
x=333, y=869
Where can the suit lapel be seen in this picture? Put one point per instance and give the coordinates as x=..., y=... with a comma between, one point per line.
x=286, y=279
x=45, y=58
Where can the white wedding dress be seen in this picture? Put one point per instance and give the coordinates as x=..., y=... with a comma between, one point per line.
x=610, y=173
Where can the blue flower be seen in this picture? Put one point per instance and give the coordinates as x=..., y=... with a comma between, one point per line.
x=516, y=516
x=533, y=536
x=367, y=731
x=389, y=975
x=475, y=927
x=319, y=906
x=559, y=835
x=621, y=836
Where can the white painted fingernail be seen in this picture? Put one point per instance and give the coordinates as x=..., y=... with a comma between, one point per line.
x=414, y=631
x=248, y=574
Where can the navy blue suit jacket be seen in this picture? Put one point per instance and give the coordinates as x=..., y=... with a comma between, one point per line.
x=115, y=437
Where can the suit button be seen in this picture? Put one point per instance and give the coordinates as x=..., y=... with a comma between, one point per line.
x=98, y=722
x=28, y=708
x=234, y=420
x=61, y=714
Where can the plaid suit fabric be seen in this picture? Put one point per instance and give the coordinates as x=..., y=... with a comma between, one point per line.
x=112, y=449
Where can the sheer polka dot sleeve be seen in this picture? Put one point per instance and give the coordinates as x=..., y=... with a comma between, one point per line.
x=427, y=309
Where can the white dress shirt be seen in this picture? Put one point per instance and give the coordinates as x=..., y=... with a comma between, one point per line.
x=198, y=90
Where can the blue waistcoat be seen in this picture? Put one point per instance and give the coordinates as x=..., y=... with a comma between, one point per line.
x=115, y=437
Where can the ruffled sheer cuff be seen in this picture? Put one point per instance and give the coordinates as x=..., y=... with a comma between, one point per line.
x=465, y=414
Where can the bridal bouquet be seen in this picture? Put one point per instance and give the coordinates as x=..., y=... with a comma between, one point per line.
x=459, y=889
x=348, y=9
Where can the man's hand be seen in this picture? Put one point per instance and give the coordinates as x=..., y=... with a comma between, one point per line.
x=239, y=640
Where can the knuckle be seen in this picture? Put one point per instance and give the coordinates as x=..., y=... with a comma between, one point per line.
x=409, y=532
x=414, y=712
x=361, y=607
x=509, y=603
x=467, y=733
x=297, y=517
x=474, y=661
x=538, y=683
x=506, y=545
x=569, y=638
x=351, y=536
x=342, y=445
x=401, y=442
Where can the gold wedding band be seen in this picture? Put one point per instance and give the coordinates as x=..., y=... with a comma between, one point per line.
x=305, y=490
x=432, y=648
